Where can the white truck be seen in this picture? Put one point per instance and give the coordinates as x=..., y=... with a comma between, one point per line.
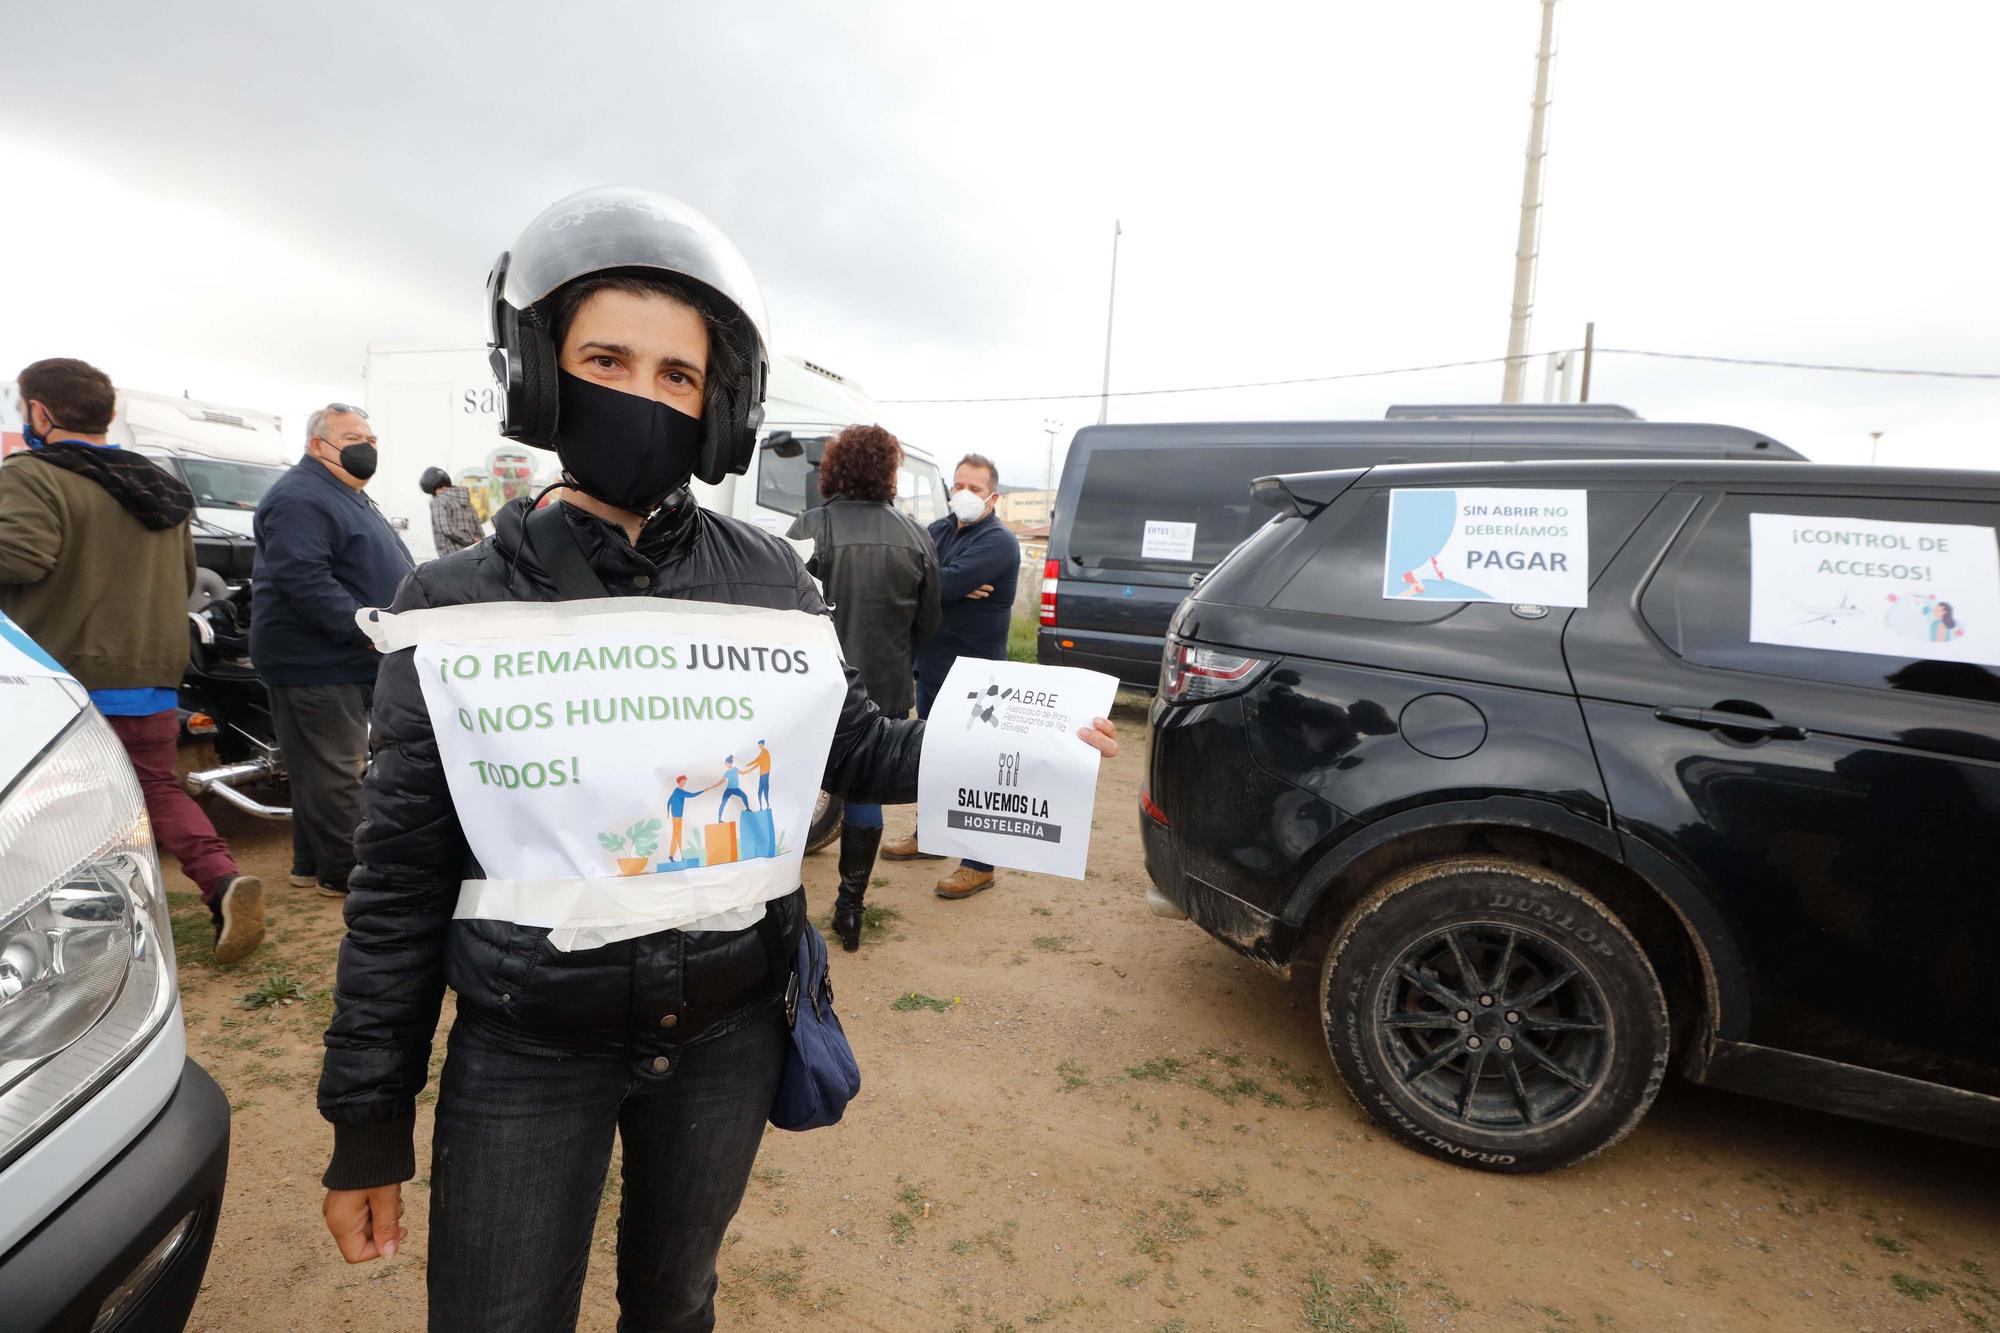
x=436, y=405
x=228, y=456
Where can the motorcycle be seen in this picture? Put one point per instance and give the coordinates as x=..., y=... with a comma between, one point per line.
x=222, y=698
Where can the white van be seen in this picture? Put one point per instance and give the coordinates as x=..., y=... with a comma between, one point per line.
x=436, y=405
x=228, y=456
x=114, y=1145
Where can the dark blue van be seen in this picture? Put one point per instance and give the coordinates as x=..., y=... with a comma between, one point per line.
x=1144, y=511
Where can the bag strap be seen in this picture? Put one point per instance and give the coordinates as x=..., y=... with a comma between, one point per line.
x=553, y=541
x=773, y=936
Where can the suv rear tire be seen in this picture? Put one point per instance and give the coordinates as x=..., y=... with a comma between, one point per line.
x=1492, y=1013
x=825, y=826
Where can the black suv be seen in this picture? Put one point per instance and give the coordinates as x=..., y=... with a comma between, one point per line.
x=1534, y=849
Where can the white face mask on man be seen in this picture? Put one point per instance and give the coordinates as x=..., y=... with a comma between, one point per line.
x=967, y=506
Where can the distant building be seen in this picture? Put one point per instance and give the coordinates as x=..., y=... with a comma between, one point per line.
x=1024, y=508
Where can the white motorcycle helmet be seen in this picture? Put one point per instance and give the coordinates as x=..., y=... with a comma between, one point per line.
x=622, y=227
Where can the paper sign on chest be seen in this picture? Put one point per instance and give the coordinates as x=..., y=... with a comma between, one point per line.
x=625, y=766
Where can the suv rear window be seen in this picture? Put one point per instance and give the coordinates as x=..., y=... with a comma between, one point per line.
x=1344, y=577
x=1700, y=602
x=1207, y=485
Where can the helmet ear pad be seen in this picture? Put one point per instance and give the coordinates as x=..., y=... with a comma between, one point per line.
x=538, y=396
x=524, y=364
x=732, y=418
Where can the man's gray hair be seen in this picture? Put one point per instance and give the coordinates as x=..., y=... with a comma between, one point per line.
x=316, y=423
x=981, y=460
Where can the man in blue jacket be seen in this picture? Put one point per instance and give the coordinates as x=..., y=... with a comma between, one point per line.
x=979, y=564
x=324, y=551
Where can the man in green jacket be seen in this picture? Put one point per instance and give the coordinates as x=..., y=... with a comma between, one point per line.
x=97, y=563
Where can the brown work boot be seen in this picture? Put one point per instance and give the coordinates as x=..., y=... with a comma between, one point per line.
x=906, y=849
x=238, y=911
x=964, y=882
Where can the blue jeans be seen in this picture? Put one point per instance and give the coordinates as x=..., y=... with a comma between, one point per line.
x=928, y=685
x=862, y=816
x=523, y=1143
x=728, y=792
x=764, y=791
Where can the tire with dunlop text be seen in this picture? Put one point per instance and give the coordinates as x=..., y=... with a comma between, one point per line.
x=1491, y=1012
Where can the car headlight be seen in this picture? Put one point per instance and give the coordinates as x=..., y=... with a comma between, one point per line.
x=86, y=950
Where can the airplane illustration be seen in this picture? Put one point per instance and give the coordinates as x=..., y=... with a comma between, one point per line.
x=1831, y=615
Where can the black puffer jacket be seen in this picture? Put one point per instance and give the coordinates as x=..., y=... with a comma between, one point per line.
x=880, y=571
x=645, y=996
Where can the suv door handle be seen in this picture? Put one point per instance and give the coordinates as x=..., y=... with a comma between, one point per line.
x=1716, y=720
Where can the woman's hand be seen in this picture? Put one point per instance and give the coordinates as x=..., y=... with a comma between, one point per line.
x=366, y=1224
x=1100, y=736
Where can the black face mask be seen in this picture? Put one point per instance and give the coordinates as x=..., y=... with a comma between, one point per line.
x=359, y=460
x=625, y=450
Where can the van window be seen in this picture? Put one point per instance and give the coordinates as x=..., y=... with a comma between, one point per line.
x=919, y=493
x=221, y=485
x=1207, y=485
x=783, y=483
x=1699, y=603
x=1344, y=577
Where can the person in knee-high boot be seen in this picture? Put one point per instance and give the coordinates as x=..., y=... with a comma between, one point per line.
x=880, y=572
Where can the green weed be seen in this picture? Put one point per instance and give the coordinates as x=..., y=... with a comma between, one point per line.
x=912, y=1001
x=279, y=989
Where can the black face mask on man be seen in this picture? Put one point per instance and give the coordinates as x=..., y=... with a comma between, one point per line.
x=628, y=451
x=358, y=460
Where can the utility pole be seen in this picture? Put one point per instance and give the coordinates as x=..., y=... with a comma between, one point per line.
x=1051, y=426
x=1110, y=314
x=1529, y=239
x=1589, y=346
x=1874, y=443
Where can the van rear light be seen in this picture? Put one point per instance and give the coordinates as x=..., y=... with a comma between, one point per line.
x=1051, y=571
x=1193, y=674
x=1151, y=809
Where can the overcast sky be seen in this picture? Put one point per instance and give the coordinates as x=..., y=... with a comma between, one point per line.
x=236, y=199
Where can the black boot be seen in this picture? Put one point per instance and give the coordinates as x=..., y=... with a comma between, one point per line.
x=857, y=863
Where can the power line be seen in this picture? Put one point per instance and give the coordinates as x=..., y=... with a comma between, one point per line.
x=1456, y=365
x=1806, y=365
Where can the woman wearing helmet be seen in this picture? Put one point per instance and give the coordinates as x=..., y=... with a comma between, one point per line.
x=629, y=337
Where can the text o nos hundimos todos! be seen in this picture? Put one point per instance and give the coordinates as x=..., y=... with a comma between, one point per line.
x=604, y=710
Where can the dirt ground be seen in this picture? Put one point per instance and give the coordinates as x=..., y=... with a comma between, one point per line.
x=1076, y=1115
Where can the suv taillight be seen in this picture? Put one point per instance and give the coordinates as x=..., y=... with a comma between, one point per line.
x=1051, y=570
x=1191, y=674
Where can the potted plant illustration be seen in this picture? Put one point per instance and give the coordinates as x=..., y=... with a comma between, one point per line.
x=644, y=838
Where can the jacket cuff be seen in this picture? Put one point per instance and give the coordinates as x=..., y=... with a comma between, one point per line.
x=379, y=1152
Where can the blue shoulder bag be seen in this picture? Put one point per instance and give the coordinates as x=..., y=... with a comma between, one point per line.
x=821, y=1075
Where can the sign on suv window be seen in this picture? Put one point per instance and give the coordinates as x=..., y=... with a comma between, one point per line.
x=1841, y=571
x=1344, y=577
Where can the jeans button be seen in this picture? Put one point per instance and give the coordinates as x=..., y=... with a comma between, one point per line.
x=670, y=1020
x=660, y=1064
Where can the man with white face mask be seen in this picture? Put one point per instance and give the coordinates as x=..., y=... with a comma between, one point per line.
x=979, y=564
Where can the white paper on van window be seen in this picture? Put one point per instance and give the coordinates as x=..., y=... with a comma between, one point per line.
x=1004, y=777
x=1862, y=585
x=1167, y=540
x=1488, y=544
